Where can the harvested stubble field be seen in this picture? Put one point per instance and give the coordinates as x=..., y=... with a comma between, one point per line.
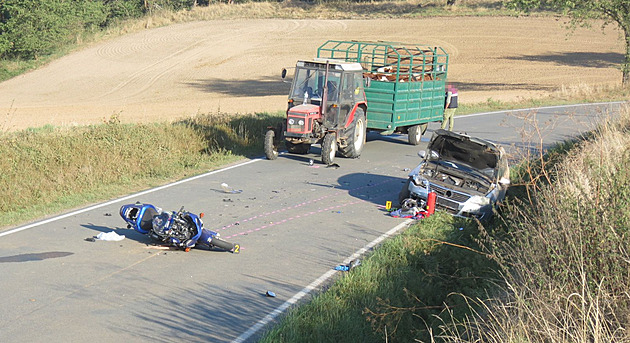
x=233, y=66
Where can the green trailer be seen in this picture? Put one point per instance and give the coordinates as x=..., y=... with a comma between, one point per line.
x=405, y=83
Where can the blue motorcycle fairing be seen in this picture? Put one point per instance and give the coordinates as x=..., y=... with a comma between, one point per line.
x=199, y=225
x=207, y=236
x=139, y=216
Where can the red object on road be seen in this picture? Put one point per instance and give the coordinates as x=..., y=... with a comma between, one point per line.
x=431, y=203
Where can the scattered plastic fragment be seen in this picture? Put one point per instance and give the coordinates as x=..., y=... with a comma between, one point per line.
x=334, y=165
x=110, y=236
x=107, y=214
x=310, y=162
x=347, y=267
x=461, y=229
x=270, y=294
x=90, y=239
x=228, y=189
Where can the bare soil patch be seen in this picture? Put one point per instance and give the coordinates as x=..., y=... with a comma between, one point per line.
x=233, y=66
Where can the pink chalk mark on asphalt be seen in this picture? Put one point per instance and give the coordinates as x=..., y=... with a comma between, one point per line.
x=266, y=214
x=291, y=219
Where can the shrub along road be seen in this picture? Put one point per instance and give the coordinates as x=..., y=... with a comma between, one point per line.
x=295, y=222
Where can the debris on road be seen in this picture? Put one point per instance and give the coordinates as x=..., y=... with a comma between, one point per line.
x=227, y=189
x=110, y=236
x=270, y=294
x=410, y=209
x=90, y=239
x=347, y=267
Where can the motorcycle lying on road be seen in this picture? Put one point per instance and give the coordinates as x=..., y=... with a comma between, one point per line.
x=181, y=229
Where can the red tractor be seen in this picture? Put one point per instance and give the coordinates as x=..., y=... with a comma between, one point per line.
x=327, y=106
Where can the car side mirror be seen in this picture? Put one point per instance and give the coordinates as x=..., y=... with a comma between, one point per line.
x=504, y=181
x=422, y=154
x=284, y=73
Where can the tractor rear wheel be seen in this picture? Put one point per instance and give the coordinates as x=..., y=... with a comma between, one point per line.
x=271, y=146
x=329, y=148
x=356, y=136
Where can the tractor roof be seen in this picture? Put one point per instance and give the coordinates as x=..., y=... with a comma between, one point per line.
x=334, y=64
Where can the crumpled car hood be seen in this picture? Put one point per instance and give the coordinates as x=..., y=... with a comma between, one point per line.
x=462, y=149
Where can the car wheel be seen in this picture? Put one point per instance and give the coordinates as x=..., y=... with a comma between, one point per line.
x=404, y=193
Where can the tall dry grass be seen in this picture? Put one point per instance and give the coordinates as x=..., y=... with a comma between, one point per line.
x=566, y=251
x=50, y=169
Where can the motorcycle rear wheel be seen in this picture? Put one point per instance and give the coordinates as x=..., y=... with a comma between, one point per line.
x=225, y=245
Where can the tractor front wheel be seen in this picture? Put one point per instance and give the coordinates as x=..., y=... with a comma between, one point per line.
x=329, y=148
x=271, y=146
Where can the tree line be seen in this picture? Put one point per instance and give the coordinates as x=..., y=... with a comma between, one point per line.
x=32, y=28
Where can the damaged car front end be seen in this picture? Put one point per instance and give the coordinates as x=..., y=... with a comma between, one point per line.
x=468, y=175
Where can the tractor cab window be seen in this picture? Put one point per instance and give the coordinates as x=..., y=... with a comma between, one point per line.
x=309, y=84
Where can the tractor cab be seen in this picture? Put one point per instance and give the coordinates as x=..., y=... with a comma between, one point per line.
x=332, y=88
x=326, y=106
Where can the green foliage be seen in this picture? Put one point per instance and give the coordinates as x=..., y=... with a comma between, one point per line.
x=30, y=28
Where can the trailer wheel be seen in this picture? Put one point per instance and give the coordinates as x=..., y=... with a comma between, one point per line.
x=297, y=148
x=329, y=148
x=271, y=148
x=356, y=136
x=414, y=134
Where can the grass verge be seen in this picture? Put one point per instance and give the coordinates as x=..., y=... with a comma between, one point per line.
x=49, y=169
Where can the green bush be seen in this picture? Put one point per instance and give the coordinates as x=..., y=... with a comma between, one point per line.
x=31, y=28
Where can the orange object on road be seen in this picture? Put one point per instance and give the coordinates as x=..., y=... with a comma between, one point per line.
x=431, y=203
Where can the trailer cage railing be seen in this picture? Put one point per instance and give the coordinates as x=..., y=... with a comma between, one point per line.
x=390, y=61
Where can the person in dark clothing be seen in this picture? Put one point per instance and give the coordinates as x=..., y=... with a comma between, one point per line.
x=449, y=108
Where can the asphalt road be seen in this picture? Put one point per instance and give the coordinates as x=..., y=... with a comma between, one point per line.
x=295, y=223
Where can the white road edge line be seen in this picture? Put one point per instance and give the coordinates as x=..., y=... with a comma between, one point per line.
x=280, y=309
x=540, y=108
x=30, y=226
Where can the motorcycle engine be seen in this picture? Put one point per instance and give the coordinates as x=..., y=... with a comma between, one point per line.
x=173, y=228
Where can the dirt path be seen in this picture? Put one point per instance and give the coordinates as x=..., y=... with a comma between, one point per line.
x=234, y=66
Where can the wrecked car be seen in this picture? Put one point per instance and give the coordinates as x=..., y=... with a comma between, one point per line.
x=469, y=175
